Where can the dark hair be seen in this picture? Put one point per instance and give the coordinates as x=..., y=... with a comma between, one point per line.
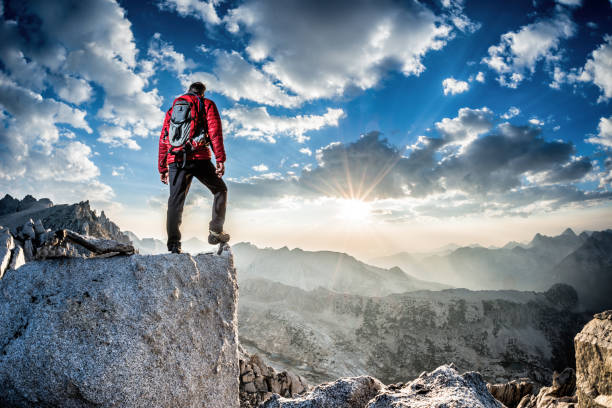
x=197, y=88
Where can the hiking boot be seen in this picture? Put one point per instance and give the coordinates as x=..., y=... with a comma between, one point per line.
x=175, y=248
x=215, y=238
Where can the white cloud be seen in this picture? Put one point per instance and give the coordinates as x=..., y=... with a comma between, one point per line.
x=85, y=43
x=536, y=122
x=479, y=77
x=320, y=57
x=118, y=171
x=258, y=124
x=306, y=151
x=466, y=127
x=519, y=51
x=512, y=112
x=235, y=78
x=204, y=10
x=604, y=137
x=598, y=69
x=260, y=168
x=74, y=90
x=163, y=54
x=117, y=136
x=452, y=86
x=570, y=3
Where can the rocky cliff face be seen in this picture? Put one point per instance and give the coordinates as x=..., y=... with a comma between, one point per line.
x=138, y=331
x=323, y=335
x=594, y=362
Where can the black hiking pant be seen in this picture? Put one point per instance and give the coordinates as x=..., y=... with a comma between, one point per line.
x=179, y=180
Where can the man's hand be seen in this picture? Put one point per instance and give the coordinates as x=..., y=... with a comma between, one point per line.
x=164, y=177
x=220, y=169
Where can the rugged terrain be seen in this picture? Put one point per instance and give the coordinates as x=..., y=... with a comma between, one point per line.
x=323, y=335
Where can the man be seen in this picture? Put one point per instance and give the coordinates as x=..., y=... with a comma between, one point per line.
x=178, y=166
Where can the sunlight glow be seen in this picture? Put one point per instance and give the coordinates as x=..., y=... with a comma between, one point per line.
x=354, y=210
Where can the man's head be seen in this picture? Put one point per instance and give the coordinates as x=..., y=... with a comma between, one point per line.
x=197, y=88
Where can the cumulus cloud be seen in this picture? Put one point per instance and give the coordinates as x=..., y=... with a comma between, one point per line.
x=258, y=124
x=516, y=56
x=165, y=56
x=73, y=45
x=117, y=136
x=237, y=79
x=604, y=137
x=598, y=69
x=453, y=86
x=203, y=10
x=466, y=127
x=64, y=50
x=320, y=58
x=306, y=151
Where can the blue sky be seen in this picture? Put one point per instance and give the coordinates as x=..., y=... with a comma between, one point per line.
x=349, y=125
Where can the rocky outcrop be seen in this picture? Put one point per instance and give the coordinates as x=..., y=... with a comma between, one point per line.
x=78, y=217
x=594, y=362
x=561, y=394
x=443, y=387
x=137, y=331
x=323, y=335
x=353, y=392
x=510, y=394
x=258, y=381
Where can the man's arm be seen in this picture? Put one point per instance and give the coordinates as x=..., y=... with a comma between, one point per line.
x=162, y=154
x=215, y=131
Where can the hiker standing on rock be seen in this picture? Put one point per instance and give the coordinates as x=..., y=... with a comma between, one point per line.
x=191, y=125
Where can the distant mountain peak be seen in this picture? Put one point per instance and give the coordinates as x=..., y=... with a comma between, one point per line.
x=569, y=231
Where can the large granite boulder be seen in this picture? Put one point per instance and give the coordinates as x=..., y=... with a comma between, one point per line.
x=594, y=362
x=138, y=331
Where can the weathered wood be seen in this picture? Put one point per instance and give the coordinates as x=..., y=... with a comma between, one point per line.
x=95, y=245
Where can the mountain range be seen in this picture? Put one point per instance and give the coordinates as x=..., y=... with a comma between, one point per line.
x=566, y=258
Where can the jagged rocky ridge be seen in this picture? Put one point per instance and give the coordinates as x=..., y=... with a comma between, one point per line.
x=76, y=217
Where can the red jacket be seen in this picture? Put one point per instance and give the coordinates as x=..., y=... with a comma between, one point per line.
x=201, y=152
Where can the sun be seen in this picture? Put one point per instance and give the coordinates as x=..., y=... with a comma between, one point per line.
x=353, y=210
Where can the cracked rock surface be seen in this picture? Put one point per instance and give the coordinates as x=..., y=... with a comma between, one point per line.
x=138, y=331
